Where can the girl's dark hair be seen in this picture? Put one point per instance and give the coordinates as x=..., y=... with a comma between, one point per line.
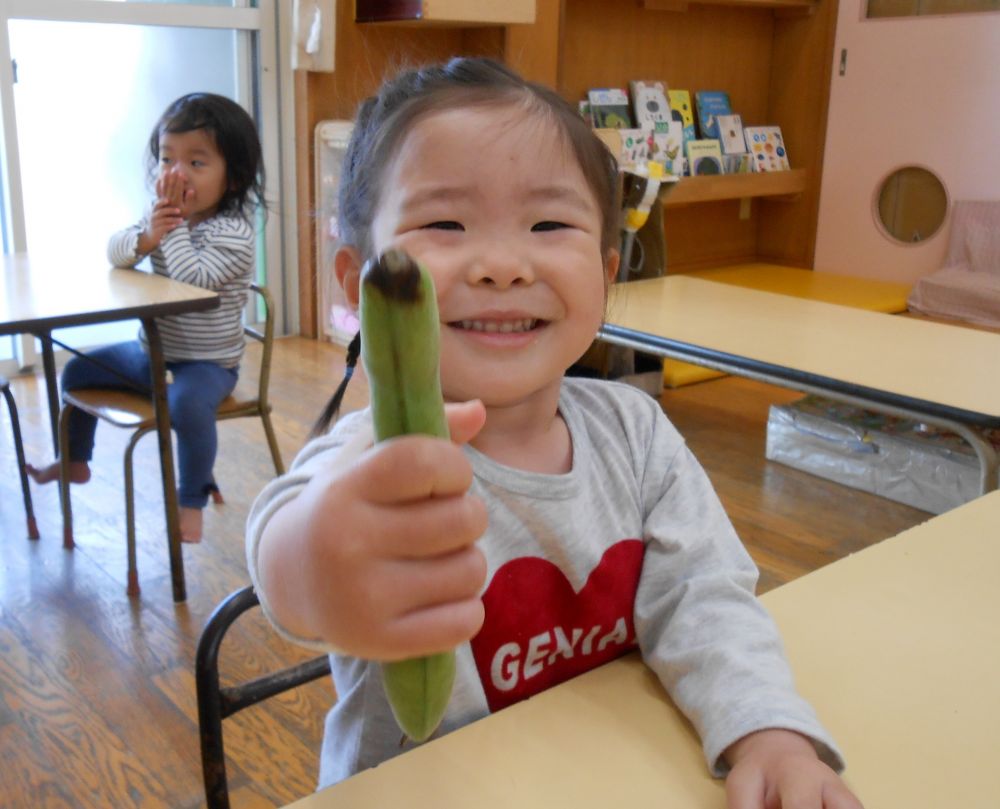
x=384, y=120
x=235, y=136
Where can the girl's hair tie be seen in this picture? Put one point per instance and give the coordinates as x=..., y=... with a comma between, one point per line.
x=333, y=406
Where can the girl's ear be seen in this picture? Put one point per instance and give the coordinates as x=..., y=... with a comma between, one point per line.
x=347, y=267
x=611, y=265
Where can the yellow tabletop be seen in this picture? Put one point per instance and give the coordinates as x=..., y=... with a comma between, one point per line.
x=897, y=647
x=931, y=362
x=847, y=290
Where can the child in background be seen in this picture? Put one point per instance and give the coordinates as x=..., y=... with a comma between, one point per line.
x=206, y=157
x=566, y=522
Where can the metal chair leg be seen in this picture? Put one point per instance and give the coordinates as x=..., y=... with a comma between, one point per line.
x=15, y=425
x=215, y=702
x=132, y=589
x=272, y=443
x=67, y=509
x=210, y=709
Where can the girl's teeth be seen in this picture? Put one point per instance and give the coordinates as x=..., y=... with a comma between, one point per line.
x=501, y=326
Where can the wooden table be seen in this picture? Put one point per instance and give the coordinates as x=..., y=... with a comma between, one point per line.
x=39, y=295
x=940, y=374
x=897, y=647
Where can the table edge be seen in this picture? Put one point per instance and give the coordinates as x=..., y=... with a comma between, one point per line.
x=37, y=325
x=656, y=343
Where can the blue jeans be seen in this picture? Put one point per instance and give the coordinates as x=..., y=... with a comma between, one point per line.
x=197, y=389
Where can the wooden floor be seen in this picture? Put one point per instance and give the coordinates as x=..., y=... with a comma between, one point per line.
x=97, y=705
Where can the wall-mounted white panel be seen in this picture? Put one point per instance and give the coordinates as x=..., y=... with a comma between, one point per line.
x=917, y=91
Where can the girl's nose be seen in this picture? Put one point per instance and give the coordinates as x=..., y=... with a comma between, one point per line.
x=501, y=268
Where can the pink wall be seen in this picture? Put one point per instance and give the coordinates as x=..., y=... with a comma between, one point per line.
x=918, y=91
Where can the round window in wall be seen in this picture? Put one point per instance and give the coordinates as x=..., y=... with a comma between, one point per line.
x=912, y=204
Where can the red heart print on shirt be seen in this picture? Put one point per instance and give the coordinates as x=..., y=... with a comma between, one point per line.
x=539, y=631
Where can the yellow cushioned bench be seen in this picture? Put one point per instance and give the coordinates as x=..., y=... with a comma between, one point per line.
x=846, y=290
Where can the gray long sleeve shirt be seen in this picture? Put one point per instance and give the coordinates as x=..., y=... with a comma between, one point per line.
x=629, y=549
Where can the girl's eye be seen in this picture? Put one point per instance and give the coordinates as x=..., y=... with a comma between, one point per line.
x=197, y=164
x=444, y=226
x=541, y=227
x=165, y=161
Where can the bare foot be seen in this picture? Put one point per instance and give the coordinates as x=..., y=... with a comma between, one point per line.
x=79, y=472
x=191, y=523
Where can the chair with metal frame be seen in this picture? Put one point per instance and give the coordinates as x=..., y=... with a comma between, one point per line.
x=216, y=703
x=15, y=426
x=134, y=411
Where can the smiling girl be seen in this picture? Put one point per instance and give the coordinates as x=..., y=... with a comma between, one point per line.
x=566, y=523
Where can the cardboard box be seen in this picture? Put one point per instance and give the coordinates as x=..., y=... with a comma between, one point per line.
x=902, y=460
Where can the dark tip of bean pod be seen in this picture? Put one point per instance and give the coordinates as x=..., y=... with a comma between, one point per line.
x=395, y=274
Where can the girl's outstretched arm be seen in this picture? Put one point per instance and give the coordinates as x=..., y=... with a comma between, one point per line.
x=376, y=556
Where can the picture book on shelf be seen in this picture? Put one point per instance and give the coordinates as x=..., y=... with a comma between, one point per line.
x=680, y=105
x=731, y=134
x=634, y=147
x=609, y=108
x=705, y=157
x=710, y=104
x=767, y=148
x=649, y=103
x=738, y=163
x=667, y=147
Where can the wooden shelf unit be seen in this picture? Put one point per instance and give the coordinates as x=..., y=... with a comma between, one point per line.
x=799, y=6
x=774, y=57
x=693, y=190
x=455, y=13
x=776, y=68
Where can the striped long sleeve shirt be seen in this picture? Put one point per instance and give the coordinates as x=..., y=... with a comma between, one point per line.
x=216, y=254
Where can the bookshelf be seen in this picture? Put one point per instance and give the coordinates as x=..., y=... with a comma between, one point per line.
x=774, y=57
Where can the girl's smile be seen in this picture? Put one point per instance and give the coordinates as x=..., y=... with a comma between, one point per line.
x=499, y=330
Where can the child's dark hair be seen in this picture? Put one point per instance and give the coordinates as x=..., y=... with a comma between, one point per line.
x=385, y=119
x=235, y=136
